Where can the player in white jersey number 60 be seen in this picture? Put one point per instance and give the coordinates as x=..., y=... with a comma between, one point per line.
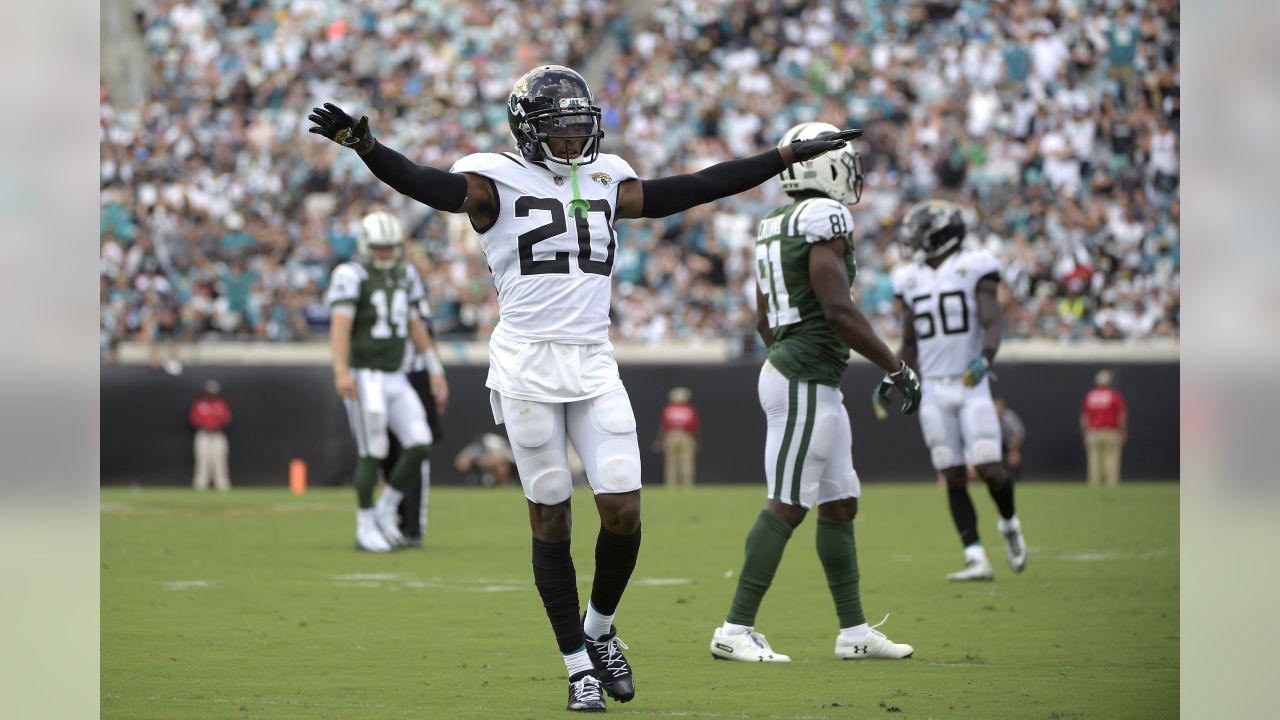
x=952, y=321
x=545, y=216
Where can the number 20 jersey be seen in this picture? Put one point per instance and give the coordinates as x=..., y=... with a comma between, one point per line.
x=551, y=267
x=944, y=308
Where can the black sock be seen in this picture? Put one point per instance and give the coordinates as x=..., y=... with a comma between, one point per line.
x=557, y=583
x=1003, y=495
x=615, y=559
x=962, y=513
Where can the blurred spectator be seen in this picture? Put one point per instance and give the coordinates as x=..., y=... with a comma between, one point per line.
x=678, y=439
x=1012, y=435
x=210, y=414
x=487, y=460
x=1104, y=423
x=1058, y=125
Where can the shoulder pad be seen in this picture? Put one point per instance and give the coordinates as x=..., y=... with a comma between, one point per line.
x=821, y=219
x=479, y=163
x=621, y=169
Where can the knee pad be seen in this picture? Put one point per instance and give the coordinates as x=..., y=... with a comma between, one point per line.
x=618, y=466
x=618, y=457
x=546, y=477
x=984, y=451
x=944, y=457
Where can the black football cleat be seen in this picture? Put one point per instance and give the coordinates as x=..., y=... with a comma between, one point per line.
x=585, y=695
x=612, y=666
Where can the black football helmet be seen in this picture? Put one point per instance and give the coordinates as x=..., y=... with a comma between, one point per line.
x=553, y=101
x=933, y=227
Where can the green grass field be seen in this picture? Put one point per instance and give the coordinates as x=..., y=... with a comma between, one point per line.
x=253, y=605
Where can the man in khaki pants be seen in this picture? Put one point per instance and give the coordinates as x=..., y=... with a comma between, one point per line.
x=210, y=414
x=678, y=439
x=1104, y=423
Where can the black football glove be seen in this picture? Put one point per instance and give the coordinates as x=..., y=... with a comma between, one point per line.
x=802, y=150
x=338, y=126
x=907, y=382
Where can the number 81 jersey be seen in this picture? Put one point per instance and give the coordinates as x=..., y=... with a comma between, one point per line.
x=805, y=346
x=944, y=308
x=550, y=264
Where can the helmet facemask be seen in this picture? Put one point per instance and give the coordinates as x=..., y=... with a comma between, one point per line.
x=560, y=134
x=836, y=174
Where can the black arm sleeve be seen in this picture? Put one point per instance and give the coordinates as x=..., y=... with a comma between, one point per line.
x=439, y=189
x=670, y=195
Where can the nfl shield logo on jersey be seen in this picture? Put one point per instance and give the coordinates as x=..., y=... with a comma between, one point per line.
x=558, y=180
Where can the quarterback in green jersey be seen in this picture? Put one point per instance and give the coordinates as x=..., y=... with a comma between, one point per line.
x=377, y=305
x=806, y=316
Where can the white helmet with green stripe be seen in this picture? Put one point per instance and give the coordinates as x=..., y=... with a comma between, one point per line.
x=836, y=174
x=380, y=229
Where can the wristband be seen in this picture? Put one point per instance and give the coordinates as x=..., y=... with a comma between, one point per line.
x=989, y=354
x=432, y=361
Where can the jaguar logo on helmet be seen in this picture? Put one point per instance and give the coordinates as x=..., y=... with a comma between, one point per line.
x=554, y=120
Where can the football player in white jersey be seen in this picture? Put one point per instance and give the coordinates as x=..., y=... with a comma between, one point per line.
x=952, y=321
x=545, y=217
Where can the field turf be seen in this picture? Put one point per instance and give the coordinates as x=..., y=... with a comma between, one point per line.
x=253, y=604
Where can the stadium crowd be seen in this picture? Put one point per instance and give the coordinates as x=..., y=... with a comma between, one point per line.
x=1056, y=121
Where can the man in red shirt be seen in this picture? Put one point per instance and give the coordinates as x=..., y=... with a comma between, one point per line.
x=1104, y=423
x=678, y=439
x=210, y=414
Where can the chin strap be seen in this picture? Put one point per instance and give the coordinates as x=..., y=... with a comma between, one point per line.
x=577, y=206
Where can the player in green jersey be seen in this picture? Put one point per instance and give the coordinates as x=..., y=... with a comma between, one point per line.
x=807, y=318
x=377, y=305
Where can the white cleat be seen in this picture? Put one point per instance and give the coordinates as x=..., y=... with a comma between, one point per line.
x=745, y=647
x=872, y=645
x=368, y=538
x=385, y=514
x=975, y=568
x=1015, y=546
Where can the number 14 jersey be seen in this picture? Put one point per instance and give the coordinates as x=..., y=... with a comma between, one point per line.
x=551, y=266
x=944, y=308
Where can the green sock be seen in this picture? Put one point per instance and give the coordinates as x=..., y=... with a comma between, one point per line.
x=839, y=558
x=408, y=469
x=366, y=479
x=765, y=543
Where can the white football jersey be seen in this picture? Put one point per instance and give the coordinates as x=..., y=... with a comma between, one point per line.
x=552, y=268
x=945, y=306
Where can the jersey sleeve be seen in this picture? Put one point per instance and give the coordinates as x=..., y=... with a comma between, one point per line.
x=824, y=219
x=344, y=286
x=985, y=263
x=622, y=169
x=898, y=278
x=479, y=163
